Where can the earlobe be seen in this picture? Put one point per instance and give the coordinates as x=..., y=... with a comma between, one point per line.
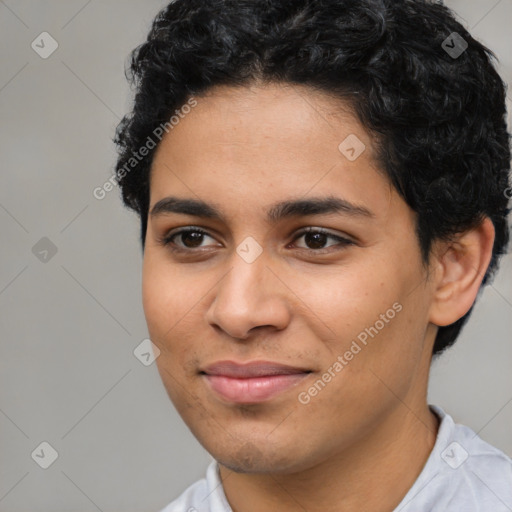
x=460, y=266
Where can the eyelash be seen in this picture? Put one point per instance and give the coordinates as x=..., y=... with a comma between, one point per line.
x=167, y=240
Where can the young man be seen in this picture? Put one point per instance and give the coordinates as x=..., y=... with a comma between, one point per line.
x=322, y=192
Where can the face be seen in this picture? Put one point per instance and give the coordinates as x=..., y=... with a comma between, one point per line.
x=280, y=348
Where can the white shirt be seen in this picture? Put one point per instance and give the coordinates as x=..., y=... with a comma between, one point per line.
x=462, y=474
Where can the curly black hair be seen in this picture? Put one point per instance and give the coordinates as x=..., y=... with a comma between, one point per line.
x=435, y=109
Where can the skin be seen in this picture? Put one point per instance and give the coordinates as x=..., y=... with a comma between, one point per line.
x=298, y=303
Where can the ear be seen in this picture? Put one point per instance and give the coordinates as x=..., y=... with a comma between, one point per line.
x=459, y=267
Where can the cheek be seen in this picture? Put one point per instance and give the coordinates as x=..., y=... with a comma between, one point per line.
x=168, y=319
x=169, y=302
x=155, y=297
x=166, y=297
x=162, y=312
x=370, y=315
x=347, y=301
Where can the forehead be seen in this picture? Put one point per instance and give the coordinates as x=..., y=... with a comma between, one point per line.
x=266, y=114
x=263, y=143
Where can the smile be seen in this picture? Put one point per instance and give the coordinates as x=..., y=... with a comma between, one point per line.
x=253, y=382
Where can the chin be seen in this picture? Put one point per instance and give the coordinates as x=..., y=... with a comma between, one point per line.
x=258, y=457
x=251, y=460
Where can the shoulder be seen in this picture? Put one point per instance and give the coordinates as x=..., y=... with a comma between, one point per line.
x=461, y=448
x=463, y=472
x=480, y=462
x=205, y=495
x=189, y=499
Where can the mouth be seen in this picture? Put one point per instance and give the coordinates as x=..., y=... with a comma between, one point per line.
x=253, y=382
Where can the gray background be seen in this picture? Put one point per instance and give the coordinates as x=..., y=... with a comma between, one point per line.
x=69, y=325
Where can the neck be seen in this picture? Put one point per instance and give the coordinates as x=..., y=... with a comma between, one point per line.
x=373, y=475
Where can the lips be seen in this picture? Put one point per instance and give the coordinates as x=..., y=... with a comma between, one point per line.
x=251, y=369
x=252, y=382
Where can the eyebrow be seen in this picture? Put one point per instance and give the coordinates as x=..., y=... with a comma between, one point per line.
x=277, y=212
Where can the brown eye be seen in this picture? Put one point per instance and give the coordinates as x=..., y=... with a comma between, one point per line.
x=315, y=239
x=190, y=238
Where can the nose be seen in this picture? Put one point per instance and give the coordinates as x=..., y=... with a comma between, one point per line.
x=249, y=297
